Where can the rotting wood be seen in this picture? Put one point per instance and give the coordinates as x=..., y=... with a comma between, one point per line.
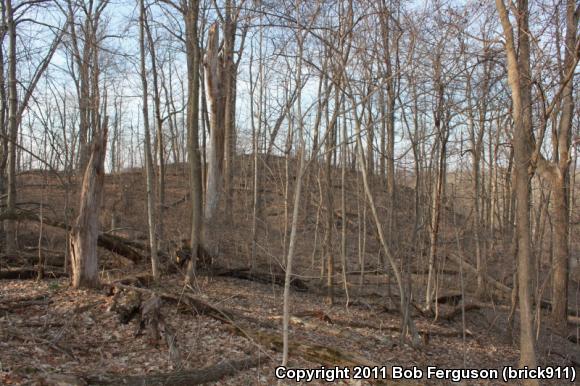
x=152, y=320
x=458, y=310
x=207, y=374
x=127, y=307
x=264, y=277
x=149, y=316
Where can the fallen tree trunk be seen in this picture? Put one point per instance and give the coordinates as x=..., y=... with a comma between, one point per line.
x=264, y=277
x=416, y=271
x=112, y=243
x=502, y=288
x=458, y=310
x=14, y=304
x=28, y=273
x=119, y=246
x=313, y=352
x=207, y=374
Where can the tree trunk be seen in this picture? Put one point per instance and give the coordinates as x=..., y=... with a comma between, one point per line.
x=10, y=226
x=194, y=154
x=296, y=209
x=441, y=118
x=149, y=170
x=408, y=324
x=214, y=80
x=328, y=198
x=519, y=82
x=561, y=182
x=229, y=108
x=85, y=232
x=159, y=131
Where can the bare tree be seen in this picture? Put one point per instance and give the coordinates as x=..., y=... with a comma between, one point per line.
x=149, y=168
x=300, y=34
x=519, y=82
x=190, y=11
x=11, y=16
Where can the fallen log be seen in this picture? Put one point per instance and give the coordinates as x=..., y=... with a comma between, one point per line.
x=416, y=271
x=471, y=269
x=13, y=304
x=264, y=277
x=28, y=273
x=119, y=246
x=312, y=352
x=112, y=243
x=458, y=310
x=207, y=374
x=192, y=303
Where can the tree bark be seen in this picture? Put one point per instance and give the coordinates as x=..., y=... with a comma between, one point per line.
x=519, y=82
x=214, y=80
x=192, y=51
x=561, y=181
x=85, y=232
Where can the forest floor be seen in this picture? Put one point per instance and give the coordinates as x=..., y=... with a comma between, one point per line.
x=48, y=328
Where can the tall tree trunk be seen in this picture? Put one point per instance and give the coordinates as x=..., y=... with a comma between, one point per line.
x=10, y=226
x=328, y=198
x=442, y=132
x=214, y=80
x=4, y=141
x=256, y=145
x=192, y=51
x=561, y=181
x=344, y=221
x=159, y=131
x=297, y=195
x=519, y=82
x=149, y=169
x=229, y=70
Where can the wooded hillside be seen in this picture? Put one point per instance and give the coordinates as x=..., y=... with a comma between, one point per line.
x=200, y=191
